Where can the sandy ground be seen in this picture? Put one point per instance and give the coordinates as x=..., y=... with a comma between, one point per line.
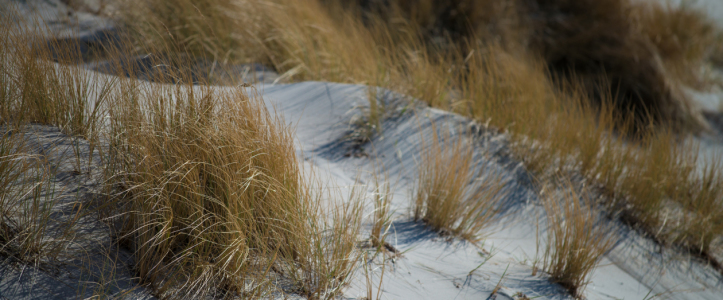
x=433, y=268
x=430, y=267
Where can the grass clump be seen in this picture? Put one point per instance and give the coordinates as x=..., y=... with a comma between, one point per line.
x=597, y=43
x=562, y=112
x=35, y=90
x=560, y=133
x=200, y=28
x=584, y=87
x=611, y=42
x=449, y=197
x=214, y=200
x=413, y=46
x=575, y=242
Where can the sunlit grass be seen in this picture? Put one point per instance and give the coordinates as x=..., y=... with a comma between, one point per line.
x=451, y=196
x=575, y=240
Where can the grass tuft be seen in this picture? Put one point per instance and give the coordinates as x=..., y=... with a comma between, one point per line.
x=449, y=196
x=575, y=241
x=213, y=194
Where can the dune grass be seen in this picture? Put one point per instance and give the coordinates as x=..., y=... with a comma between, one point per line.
x=562, y=122
x=575, y=240
x=601, y=42
x=36, y=90
x=213, y=194
x=203, y=185
x=685, y=39
x=198, y=28
x=450, y=197
x=25, y=200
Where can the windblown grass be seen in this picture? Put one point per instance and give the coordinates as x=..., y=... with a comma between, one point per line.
x=214, y=197
x=575, y=241
x=597, y=43
x=177, y=180
x=569, y=102
x=609, y=43
x=614, y=42
x=204, y=184
x=196, y=27
x=686, y=40
x=25, y=201
x=449, y=196
x=36, y=90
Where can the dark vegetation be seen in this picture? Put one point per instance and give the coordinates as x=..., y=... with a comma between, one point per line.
x=601, y=45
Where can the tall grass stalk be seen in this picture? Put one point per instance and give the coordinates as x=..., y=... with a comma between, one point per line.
x=382, y=219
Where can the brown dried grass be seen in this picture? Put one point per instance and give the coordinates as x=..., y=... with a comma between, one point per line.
x=214, y=198
x=450, y=197
x=575, y=240
x=567, y=101
x=205, y=184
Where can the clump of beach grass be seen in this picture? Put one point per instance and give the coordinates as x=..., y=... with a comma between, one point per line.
x=213, y=196
x=575, y=240
x=38, y=90
x=451, y=197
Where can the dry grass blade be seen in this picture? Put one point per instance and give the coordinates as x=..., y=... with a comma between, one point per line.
x=575, y=240
x=381, y=223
